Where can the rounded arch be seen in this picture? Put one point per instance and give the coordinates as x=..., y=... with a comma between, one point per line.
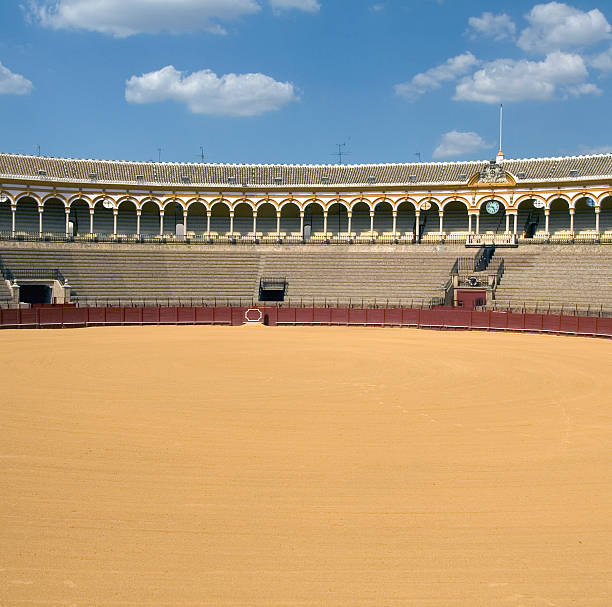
x=80, y=198
x=457, y=200
x=287, y=201
x=243, y=201
x=243, y=216
x=197, y=212
x=103, y=218
x=605, y=213
x=124, y=199
x=6, y=214
x=79, y=215
x=55, y=196
x=558, y=196
x=100, y=199
x=54, y=215
x=193, y=201
x=405, y=202
x=313, y=217
x=26, y=213
x=290, y=218
x=482, y=202
x=559, y=219
x=173, y=199
x=582, y=196
x=339, y=201
x=377, y=201
x=434, y=202
x=127, y=216
x=456, y=217
x=526, y=201
x=361, y=201
x=150, y=199
x=406, y=216
x=360, y=220
x=530, y=219
x=584, y=213
x=492, y=222
x=383, y=216
x=337, y=217
x=150, y=217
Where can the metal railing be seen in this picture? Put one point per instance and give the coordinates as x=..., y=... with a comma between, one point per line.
x=32, y=274
x=547, y=307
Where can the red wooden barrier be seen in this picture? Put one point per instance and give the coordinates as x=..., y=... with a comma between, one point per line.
x=442, y=318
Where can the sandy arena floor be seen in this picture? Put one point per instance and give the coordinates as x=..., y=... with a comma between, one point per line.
x=280, y=467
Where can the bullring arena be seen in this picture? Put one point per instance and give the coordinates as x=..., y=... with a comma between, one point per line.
x=291, y=385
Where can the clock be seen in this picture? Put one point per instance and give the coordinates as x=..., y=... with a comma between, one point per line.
x=492, y=207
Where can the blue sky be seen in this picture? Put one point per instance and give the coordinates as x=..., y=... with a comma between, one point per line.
x=284, y=81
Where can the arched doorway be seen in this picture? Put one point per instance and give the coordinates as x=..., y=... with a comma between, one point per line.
x=266, y=219
x=492, y=217
x=150, y=219
x=313, y=220
x=337, y=219
x=456, y=220
x=126, y=218
x=290, y=220
x=54, y=217
x=429, y=220
x=360, y=221
x=584, y=218
x=559, y=220
x=79, y=217
x=6, y=215
x=173, y=219
x=26, y=215
x=383, y=218
x=243, y=219
x=220, y=219
x=530, y=218
x=605, y=217
x=196, y=219
x=406, y=219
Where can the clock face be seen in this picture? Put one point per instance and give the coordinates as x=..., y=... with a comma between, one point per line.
x=492, y=207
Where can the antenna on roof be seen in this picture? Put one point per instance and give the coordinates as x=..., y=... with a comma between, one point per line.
x=159, y=151
x=500, y=154
x=340, y=153
x=418, y=155
x=37, y=146
x=201, y=154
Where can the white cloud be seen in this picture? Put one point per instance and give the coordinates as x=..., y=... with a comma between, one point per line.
x=309, y=6
x=13, y=84
x=123, y=18
x=456, y=144
x=558, y=26
x=206, y=93
x=510, y=80
x=493, y=26
x=433, y=78
x=603, y=61
x=600, y=149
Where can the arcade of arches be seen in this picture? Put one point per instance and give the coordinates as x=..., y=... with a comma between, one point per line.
x=531, y=218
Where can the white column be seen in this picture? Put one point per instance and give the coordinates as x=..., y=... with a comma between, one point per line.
x=394, y=223
x=325, y=222
x=231, y=222
x=302, y=224
x=470, y=222
x=441, y=222
x=40, y=220
x=138, y=214
x=115, y=214
x=255, y=222
x=417, y=225
x=13, y=217
x=507, y=222
x=278, y=216
x=208, y=222
x=161, y=222
x=350, y=217
x=597, y=220
x=67, y=211
x=547, y=219
x=478, y=223
x=516, y=223
x=91, y=218
x=572, y=213
x=371, y=222
x=185, y=222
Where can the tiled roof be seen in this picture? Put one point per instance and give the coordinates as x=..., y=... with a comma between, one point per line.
x=111, y=171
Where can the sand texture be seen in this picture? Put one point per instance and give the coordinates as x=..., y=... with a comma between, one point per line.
x=286, y=467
